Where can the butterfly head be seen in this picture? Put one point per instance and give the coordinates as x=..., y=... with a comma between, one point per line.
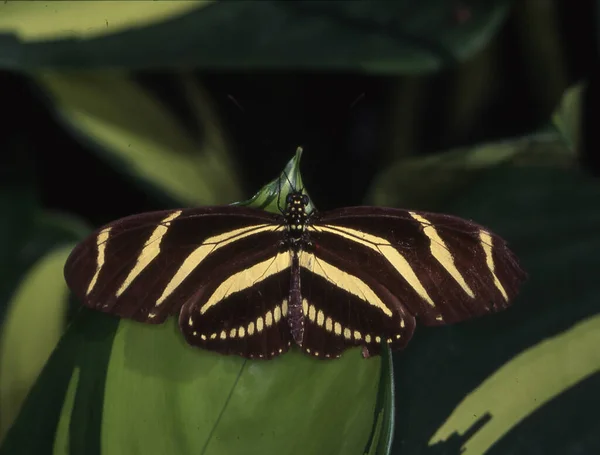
x=295, y=213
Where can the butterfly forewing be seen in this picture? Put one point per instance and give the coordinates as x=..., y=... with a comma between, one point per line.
x=442, y=269
x=144, y=267
x=243, y=308
x=344, y=308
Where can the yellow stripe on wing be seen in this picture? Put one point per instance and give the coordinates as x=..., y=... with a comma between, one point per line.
x=384, y=248
x=103, y=237
x=210, y=245
x=149, y=252
x=439, y=250
x=343, y=280
x=486, y=243
x=247, y=278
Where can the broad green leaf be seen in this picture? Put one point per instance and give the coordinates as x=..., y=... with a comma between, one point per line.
x=377, y=37
x=46, y=21
x=26, y=238
x=433, y=181
x=525, y=384
x=212, y=404
x=129, y=126
x=36, y=319
x=129, y=387
x=72, y=381
x=37, y=308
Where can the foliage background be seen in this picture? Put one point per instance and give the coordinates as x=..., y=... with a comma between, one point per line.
x=478, y=108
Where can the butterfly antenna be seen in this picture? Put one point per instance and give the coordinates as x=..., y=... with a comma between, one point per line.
x=292, y=187
x=357, y=100
x=234, y=101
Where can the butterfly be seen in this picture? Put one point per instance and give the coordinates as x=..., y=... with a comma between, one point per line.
x=252, y=283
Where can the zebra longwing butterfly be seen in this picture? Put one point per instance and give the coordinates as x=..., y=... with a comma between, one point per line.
x=253, y=283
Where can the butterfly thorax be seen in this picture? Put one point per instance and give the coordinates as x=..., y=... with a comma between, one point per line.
x=296, y=217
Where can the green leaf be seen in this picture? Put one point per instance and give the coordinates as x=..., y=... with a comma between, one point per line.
x=544, y=372
x=55, y=21
x=271, y=197
x=567, y=116
x=135, y=388
x=130, y=127
x=33, y=307
x=72, y=382
x=37, y=309
x=378, y=37
x=35, y=321
x=434, y=181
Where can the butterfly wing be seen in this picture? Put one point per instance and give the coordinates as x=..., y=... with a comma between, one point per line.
x=344, y=307
x=442, y=269
x=242, y=307
x=145, y=267
x=366, y=274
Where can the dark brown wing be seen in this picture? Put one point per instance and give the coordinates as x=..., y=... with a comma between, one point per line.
x=145, y=267
x=344, y=307
x=441, y=268
x=242, y=309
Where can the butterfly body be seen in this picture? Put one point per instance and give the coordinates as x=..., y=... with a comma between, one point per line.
x=251, y=283
x=296, y=240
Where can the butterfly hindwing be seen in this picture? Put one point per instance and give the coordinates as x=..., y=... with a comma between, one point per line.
x=344, y=308
x=145, y=266
x=242, y=309
x=443, y=269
